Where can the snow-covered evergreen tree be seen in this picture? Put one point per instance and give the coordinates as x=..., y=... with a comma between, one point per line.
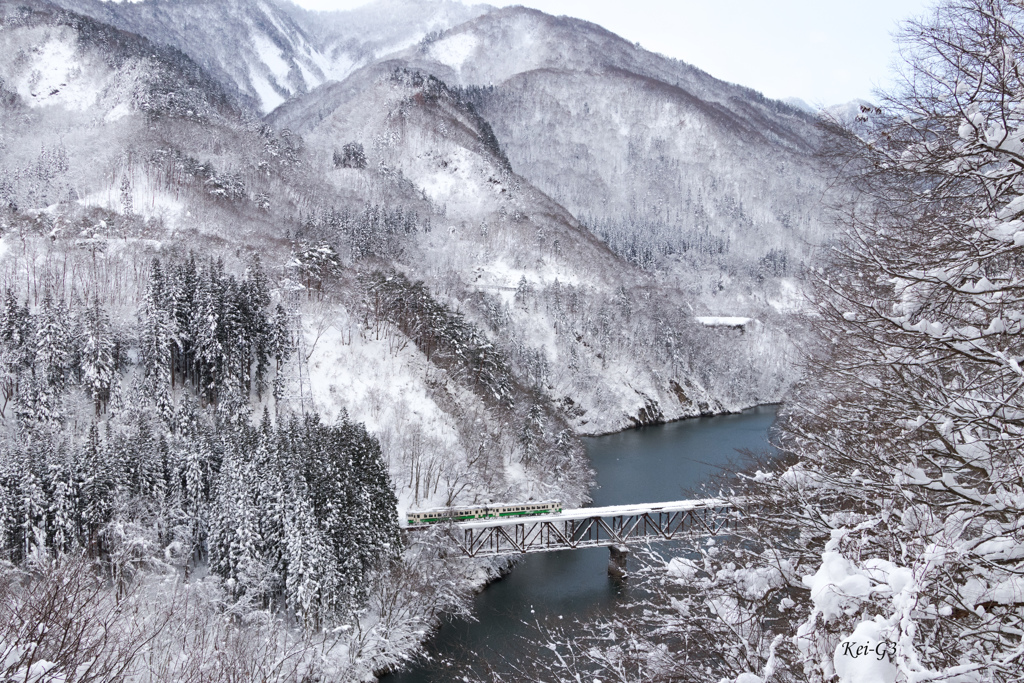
x=97, y=358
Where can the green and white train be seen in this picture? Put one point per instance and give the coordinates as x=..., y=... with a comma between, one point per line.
x=488, y=511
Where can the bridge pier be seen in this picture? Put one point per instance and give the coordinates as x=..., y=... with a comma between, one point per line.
x=618, y=554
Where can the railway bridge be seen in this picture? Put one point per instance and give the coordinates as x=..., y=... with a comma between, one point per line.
x=614, y=527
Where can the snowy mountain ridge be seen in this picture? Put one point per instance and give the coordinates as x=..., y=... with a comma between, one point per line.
x=676, y=171
x=267, y=52
x=379, y=29
x=253, y=48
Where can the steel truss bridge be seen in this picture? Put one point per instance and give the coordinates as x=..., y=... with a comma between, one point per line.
x=614, y=527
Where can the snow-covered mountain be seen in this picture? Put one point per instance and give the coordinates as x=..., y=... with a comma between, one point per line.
x=55, y=59
x=266, y=52
x=673, y=168
x=511, y=248
x=535, y=143
x=851, y=113
x=253, y=48
x=676, y=171
x=78, y=94
x=356, y=37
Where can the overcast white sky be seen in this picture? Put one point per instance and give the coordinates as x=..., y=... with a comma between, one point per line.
x=824, y=51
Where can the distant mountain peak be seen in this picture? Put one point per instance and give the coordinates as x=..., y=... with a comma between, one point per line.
x=798, y=103
x=269, y=51
x=252, y=47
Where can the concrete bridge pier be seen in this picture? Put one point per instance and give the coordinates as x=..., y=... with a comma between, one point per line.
x=618, y=554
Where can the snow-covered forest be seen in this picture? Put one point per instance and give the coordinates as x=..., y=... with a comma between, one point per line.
x=269, y=278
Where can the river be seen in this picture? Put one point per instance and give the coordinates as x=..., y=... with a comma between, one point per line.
x=650, y=464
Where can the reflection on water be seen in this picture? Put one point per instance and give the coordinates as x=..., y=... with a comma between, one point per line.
x=647, y=465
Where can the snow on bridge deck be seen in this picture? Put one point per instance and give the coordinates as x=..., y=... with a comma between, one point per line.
x=608, y=511
x=616, y=525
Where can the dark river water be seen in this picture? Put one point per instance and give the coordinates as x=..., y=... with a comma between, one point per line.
x=646, y=465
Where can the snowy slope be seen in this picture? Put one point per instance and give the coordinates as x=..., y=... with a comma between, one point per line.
x=674, y=169
x=53, y=59
x=268, y=51
x=251, y=47
x=613, y=345
x=357, y=37
x=75, y=96
x=858, y=116
x=623, y=352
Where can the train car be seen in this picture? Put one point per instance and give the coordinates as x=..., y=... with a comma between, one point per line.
x=488, y=511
